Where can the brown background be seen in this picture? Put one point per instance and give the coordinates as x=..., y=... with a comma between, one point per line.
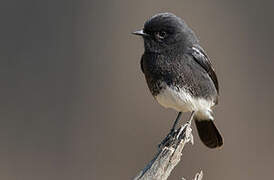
x=74, y=103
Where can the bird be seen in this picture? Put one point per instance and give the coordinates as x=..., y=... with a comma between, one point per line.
x=179, y=73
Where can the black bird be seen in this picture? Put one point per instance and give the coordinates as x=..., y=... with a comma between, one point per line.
x=179, y=74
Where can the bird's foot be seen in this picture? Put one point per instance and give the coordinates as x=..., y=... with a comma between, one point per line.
x=168, y=139
x=185, y=132
x=177, y=134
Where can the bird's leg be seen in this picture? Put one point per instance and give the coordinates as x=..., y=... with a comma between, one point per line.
x=171, y=132
x=187, y=124
x=191, y=117
x=176, y=122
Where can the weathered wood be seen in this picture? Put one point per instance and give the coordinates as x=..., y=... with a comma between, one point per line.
x=167, y=157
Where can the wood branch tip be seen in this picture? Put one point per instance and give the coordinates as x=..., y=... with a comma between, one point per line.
x=168, y=156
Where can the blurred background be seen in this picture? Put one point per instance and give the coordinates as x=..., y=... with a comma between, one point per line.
x=75, y=105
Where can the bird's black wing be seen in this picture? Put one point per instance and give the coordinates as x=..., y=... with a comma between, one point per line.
x=202, y=59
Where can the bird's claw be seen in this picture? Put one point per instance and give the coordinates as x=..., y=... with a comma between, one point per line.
x=166, y=141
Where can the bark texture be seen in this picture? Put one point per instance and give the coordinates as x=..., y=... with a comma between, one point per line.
x=168, y=156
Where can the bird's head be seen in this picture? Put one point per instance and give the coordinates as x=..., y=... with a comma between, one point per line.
x=165, y=32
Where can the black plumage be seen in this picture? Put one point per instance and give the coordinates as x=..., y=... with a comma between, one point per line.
x=176, y=66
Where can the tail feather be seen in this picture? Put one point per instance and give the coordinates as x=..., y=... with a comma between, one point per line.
x=208, y=133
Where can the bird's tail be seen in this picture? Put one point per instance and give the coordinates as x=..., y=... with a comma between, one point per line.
x=208, y=132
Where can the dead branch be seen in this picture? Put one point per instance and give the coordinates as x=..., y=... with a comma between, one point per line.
x=167, y=157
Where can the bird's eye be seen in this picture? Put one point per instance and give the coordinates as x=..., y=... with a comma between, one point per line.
x=160, y=35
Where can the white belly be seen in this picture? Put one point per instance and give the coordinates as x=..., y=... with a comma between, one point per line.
x=181, y=100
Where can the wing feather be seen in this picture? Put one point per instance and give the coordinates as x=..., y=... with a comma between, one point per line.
x=202, y=59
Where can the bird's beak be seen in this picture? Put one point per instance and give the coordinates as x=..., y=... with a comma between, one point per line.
x=140, y=33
